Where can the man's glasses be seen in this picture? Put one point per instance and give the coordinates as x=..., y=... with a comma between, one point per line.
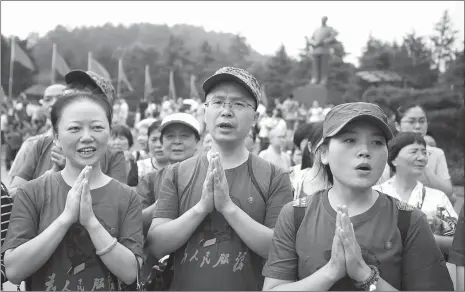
x=414, y=122
x=234, y=105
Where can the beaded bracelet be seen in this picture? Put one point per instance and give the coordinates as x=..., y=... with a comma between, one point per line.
x=372, y=280
x=108, y=248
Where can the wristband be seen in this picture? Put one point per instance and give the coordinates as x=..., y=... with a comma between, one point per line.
x=107, y=249
x=370, y=283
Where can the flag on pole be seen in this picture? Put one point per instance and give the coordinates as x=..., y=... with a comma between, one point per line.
x=2, y=93
x=60, y=64
x=264, y=98
x=95, y=66
x=172, y=88
x=122, y=76
x=148, y=83
x=193, y=89
x=18, y=55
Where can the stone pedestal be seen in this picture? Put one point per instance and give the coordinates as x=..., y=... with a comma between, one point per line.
x=311, y=92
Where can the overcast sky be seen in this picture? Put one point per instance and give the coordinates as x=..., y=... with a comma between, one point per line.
x=266, y=25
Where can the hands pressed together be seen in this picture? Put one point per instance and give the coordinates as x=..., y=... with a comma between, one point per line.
x=346, y=255
x=78, y=206
x=215, y=192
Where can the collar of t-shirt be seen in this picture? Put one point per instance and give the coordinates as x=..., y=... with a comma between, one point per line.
x=210, y=153
x=415, y=196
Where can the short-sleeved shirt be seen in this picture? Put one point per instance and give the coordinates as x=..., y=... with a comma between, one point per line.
x=74, y=264
x=433, y=198
x=215, y=257
x=145, y=166
x=148, y=187
x=297, y=255
x=283, y=160
x=34, y=159
x=457, y=252
x=148, y=190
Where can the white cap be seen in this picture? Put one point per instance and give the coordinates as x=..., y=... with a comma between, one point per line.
x=181, y=118
x=54, y=90
x=145, y=123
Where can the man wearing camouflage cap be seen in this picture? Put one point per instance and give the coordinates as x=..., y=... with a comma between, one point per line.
x=216, y=212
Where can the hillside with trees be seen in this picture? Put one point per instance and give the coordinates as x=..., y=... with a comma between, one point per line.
x=424, y=68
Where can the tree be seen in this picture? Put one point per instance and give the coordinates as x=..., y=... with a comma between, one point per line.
x=178, y=59
x=239, y=52
x=375, y=56
x=417, y=63
x=277, y=76
x=302, y=73
x=341, y=74
x=454, y=75
x=443, y=41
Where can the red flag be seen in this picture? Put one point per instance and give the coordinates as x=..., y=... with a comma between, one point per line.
x=17, y=54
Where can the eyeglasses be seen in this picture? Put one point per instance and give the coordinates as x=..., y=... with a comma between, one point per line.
x=234, y=105
x=414, y=122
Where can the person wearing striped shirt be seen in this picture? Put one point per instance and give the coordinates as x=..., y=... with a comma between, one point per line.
x=7, y=205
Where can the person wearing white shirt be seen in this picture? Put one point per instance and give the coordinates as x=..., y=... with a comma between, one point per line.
x=274, y=153
x=412, y=118
x=408, y=158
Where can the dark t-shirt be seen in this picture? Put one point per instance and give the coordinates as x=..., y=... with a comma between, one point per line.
x=416, y=266
x=148, y=190
x=74, y=264
x=215, y=257
x=148, y=187
x=457, y=253
x=34, y=159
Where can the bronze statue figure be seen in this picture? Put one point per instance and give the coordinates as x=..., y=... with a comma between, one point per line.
x=321, y=41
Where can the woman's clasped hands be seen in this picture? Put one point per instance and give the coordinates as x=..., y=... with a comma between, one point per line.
x=79, y=200
x=346, y=255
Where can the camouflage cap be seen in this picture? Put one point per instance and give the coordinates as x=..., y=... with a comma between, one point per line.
x=89, y=77
x=341, y=115
x=244, y=78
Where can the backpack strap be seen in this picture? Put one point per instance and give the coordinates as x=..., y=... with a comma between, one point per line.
x=179, y=188
x=403, y=223
x=403, y=217
x=255, y=181
x=300, y=206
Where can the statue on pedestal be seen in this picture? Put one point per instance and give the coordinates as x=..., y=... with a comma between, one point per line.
x=321, y=41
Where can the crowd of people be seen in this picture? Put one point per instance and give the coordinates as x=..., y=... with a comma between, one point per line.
x=224, y=194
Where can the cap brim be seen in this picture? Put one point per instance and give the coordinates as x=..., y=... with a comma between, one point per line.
x=79, y=76
x=223, y=77
x=380, y=123
x=162, y=127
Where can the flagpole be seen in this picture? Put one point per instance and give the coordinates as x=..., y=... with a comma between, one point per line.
x=12, y=62
x=89, y=61
x=145, y=83
x=54, y=60
x=118, y=86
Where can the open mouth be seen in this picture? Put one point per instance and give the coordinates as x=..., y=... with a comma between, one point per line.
x=363, y=167
x=226, y=126
x=87, y=151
